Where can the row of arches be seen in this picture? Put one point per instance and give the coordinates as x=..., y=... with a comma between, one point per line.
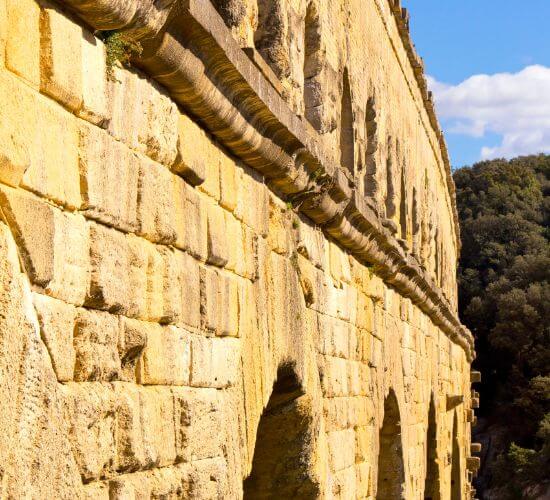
x=385, y=182
x=284, y=457
x=294, y=45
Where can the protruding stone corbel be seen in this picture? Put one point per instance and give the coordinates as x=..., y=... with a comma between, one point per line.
x=475, y=377
x=473, y=464
x=470, y=416
x=454, y=401
x=475, y=448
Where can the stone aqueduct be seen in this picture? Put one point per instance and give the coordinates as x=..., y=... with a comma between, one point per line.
x=228, y=269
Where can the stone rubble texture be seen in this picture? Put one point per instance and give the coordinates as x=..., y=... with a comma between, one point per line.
x=197, y=299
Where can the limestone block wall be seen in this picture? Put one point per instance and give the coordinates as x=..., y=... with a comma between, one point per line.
x=197, y=300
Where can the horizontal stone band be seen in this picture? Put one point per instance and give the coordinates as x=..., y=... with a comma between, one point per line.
x=189, y=50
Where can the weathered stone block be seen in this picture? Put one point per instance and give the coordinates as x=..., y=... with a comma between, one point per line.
x=229, y=324
x=252, y=200
x=23, y=23
x=234, y=237
x=198, y=420
x=130, y=453
x=228, y=183
x=341, y=445
x=16, y=127
x=217, y=236
x=105, y=163
x=219, y=303
x=190, y=161
x=212, y=157
x=159, y=134
x=139, y=251
x=191, y=298
x=57, y=320
x=110, y=278
x=90, y=413
x=131, y=342
x=172, y=284
x=125, y=116
x=156, y=203
x=157, y=423
x=280, y=235
x=96, y=339
x=58, y=261
x=53, y=168
x=180, y=299
x=335, y=380
x=210, y=299
x=142, y=116
x=339, y=263
x=166, y=357
x=214, y=361
x=194, y=234
x=365, y=312
x=61, y=58
x=155, y=283
x=95, y=98
x=247, y=265
x=311, y=245
x=334, y=337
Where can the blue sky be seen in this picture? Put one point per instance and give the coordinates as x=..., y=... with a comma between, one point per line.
x=506, y=112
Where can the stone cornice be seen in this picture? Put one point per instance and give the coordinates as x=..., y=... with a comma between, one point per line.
x=189, y=50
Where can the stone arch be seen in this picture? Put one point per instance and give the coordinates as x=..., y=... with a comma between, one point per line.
x=347, y=136
x=391, y=468
x=432, y=481
x=282, y=466
x=456, y=468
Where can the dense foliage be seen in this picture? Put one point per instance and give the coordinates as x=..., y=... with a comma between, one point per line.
x=504, y=287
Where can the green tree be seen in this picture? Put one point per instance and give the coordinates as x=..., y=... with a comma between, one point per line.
x=504, y=298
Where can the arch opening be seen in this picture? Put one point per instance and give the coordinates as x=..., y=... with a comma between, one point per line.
x=347, y=139
x=432, y=483
x=391, y=469
x=282, y=466
x=456, y=479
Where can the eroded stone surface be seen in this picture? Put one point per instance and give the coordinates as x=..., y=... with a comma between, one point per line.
x=187, y=308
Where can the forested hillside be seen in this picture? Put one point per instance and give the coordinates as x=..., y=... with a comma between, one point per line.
x=504, y=280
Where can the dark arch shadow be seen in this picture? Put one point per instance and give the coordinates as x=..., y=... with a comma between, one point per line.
x=391, y=469
x=456, y=475
x=282, y=466
x=432, y=486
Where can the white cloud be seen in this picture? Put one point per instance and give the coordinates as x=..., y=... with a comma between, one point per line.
x=515, y=106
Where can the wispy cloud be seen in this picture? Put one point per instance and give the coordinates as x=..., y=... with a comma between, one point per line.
x=515, y=106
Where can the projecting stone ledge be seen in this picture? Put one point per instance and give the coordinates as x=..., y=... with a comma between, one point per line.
x=189, y=50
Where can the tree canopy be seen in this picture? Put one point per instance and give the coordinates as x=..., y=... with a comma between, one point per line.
x=504, y=298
